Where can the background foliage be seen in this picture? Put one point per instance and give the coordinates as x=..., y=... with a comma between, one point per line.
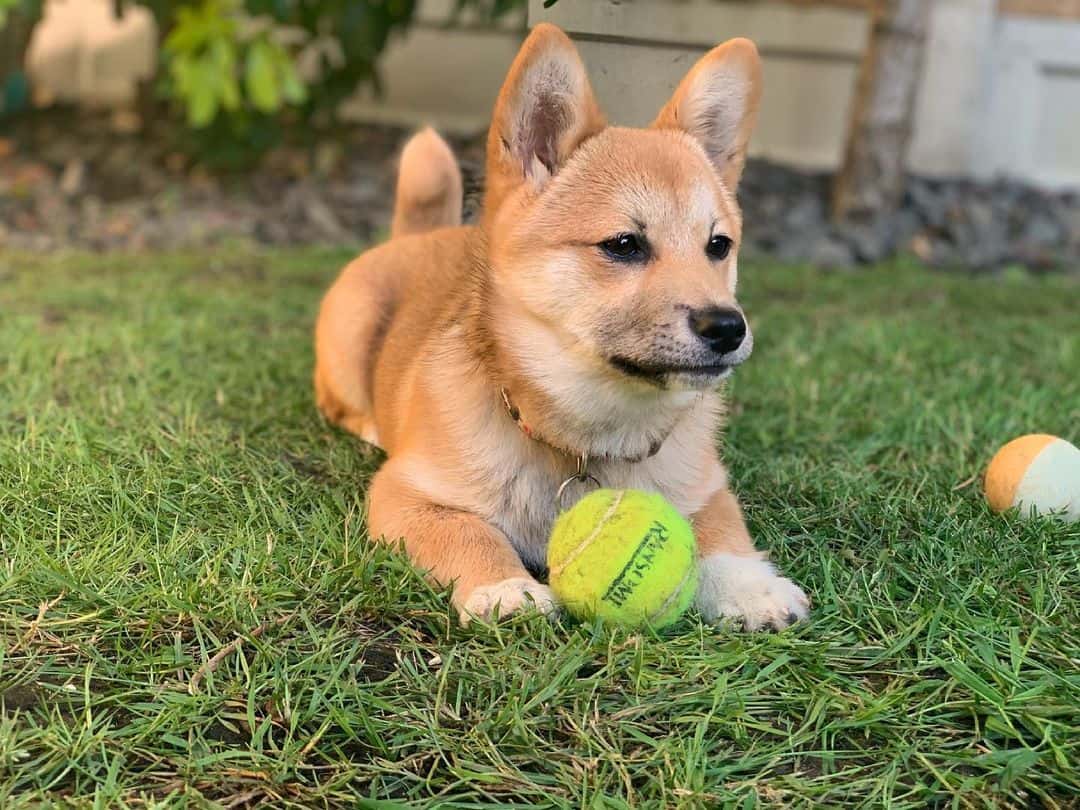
x=16, y=20
x=238, y=73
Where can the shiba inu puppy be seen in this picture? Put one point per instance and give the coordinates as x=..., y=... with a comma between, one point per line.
x=581, y=328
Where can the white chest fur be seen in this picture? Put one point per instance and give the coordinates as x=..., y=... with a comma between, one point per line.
x=518, y=494
x=488, y=467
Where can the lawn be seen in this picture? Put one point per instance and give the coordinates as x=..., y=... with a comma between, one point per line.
x=166, y=488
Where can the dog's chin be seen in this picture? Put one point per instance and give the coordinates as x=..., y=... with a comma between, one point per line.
x=674, y=375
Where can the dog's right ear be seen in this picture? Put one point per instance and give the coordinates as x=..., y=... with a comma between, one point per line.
x=545, y=109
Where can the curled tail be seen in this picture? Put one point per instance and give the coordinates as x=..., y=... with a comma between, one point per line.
x=429, y=186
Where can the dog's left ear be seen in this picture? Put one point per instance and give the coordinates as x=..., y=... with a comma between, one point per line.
x=717, y=103
x=545, y=109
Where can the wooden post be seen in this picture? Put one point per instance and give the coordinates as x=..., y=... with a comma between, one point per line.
x=871, y=180
x=1066, y=9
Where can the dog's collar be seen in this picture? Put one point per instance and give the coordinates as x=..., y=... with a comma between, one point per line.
x=582, y=455
x=581, y=474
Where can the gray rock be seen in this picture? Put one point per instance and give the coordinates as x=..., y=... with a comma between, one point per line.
x=906, y=225
x=980, y=213
x=931, y=206
x=830, y=253
x=805, y=214
x=92, y=187
x=1071, y=222
x=986, y=245
x=1044, y=231
x=870, y=241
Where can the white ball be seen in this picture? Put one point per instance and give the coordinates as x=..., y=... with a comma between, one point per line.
x=1037, y=472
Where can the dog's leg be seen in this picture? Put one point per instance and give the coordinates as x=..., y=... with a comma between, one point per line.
x=335, y=409
x=737, y=582
x=454, y=547
x=352, y=324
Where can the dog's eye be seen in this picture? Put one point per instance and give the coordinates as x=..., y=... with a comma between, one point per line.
x=626, y=247
x=719, y=247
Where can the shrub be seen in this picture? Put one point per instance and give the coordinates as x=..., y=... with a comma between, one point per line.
x=233, y=66
x=17, y=18
x=238, y=72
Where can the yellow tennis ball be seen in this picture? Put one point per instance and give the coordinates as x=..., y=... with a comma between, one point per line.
x=625, y=556
x=1036, y=472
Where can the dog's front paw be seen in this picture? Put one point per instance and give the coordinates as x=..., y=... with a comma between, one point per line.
x=750, y=590
x=508, y=596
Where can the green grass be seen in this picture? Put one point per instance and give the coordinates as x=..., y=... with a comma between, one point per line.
x=166, y=487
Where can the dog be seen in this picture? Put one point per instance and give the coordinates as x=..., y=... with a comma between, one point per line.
x=578, y=333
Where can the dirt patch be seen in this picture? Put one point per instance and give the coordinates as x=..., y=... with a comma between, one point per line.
x=22, y=697
x=68, y=180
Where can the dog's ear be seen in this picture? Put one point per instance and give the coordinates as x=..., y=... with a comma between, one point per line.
x=717, y=103
x=545, y=109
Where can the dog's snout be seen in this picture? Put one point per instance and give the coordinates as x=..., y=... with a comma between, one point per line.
x=722, y=328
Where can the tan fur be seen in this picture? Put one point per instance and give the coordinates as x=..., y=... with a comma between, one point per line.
x=419, y=336
x=429, y=186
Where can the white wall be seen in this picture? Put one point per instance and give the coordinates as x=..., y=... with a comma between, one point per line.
x=444, y=76
x=1031, y=119
x=811, y=58
x=999, y=94
x=953, y=93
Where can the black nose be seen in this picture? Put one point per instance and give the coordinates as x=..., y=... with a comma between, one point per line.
x=723, y=329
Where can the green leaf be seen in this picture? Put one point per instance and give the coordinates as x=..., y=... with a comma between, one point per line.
x=201, y=93
x=223, y=55
x=180, y=73
x=187, y=34
x=380, y=804
x=261, y=78
x=230, y=93
x=202, y=104
x=292, y=86
x=1017, y=765
x=963, y=674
